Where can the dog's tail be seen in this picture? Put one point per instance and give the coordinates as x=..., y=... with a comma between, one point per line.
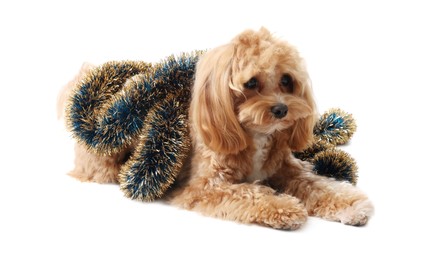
x=65, y=92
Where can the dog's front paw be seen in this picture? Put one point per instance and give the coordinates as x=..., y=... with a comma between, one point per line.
x=357, y=214
x=282, y=212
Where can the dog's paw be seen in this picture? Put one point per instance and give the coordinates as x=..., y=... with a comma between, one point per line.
x=357, y=214
x=283, y=212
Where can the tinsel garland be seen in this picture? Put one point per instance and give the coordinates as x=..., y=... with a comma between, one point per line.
x=335, y=127
x=123, y=103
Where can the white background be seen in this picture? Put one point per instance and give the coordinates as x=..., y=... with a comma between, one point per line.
x=370, y=58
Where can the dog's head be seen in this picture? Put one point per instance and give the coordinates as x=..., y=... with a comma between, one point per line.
x=254, y=84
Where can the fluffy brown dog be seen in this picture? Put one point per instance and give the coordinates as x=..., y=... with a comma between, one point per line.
x=252, y=106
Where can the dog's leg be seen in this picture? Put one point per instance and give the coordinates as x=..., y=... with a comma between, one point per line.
x=244, y=202
x=96, y=168
x=323, y=197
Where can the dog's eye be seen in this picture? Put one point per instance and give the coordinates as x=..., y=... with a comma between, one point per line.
x=287, y=83
x=251, y=84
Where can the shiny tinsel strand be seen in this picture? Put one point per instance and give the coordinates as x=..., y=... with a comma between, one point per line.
x=337, y=164
x=163, y=147
x=335, y=127
x=124, y=103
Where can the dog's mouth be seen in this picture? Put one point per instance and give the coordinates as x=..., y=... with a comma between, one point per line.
x=267, y=117
x=266, y=121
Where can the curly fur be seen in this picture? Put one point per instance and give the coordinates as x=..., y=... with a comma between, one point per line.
x=242, y=167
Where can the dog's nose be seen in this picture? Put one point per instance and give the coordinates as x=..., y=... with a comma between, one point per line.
x=279, y=111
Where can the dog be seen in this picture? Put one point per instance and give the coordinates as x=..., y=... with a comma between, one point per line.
x=252, y=106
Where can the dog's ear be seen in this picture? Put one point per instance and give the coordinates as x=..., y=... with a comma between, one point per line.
x=212, y=107
x=301, y=135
